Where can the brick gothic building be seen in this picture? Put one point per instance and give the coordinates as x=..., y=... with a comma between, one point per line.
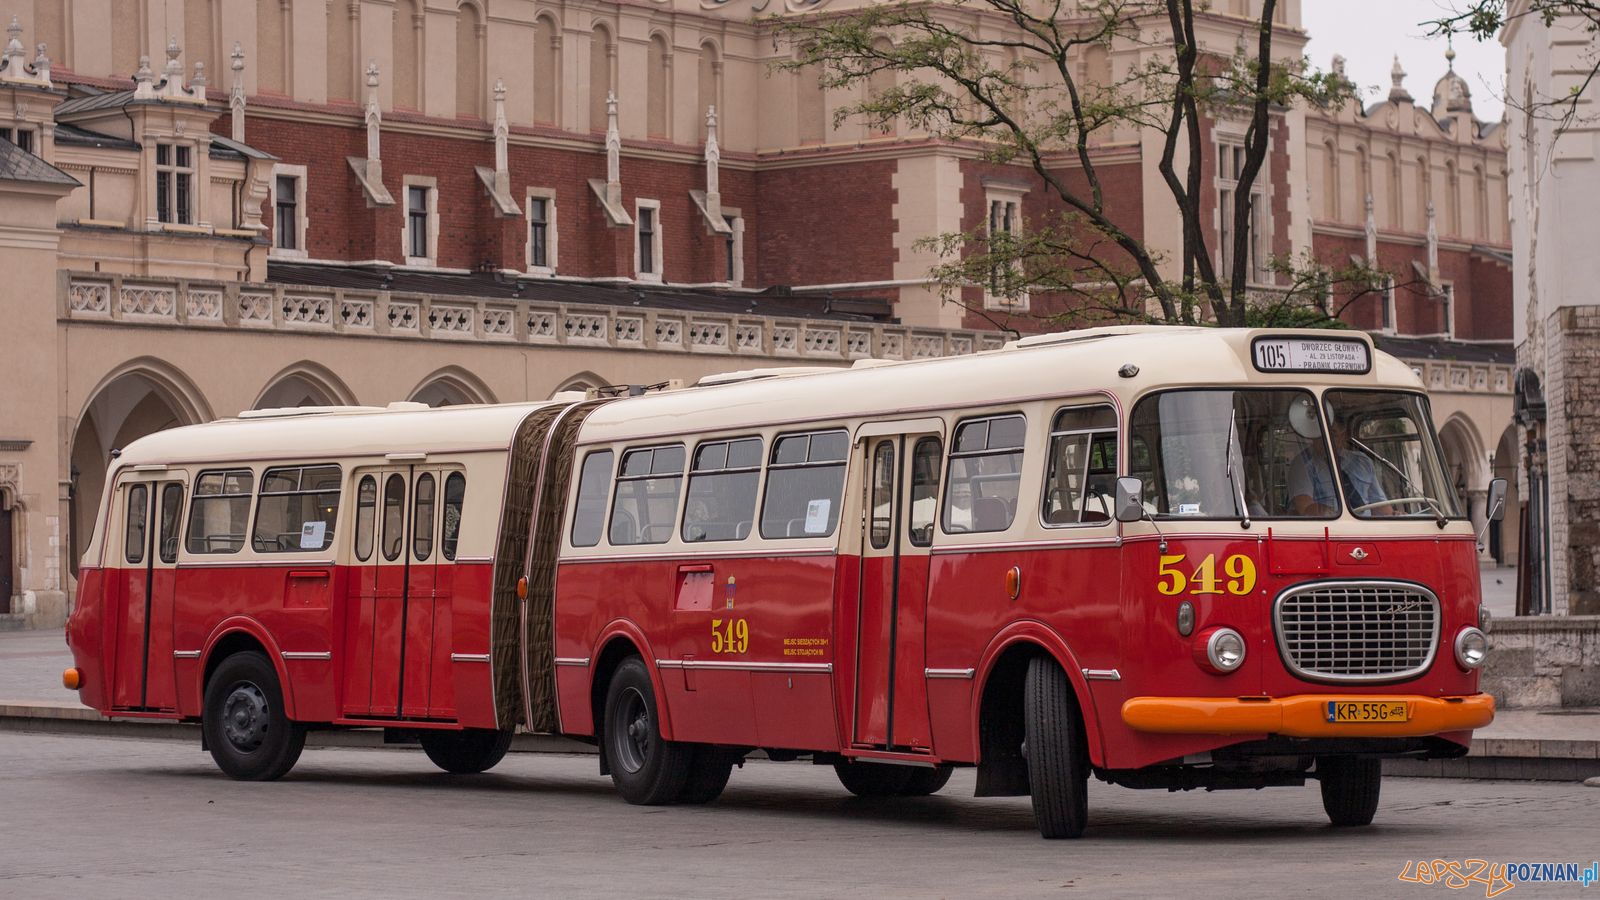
x=214, y=205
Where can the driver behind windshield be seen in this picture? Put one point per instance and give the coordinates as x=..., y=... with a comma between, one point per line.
x=1312, y=490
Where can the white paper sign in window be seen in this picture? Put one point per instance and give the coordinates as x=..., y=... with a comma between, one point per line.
x=313, y=535
x=817, y=516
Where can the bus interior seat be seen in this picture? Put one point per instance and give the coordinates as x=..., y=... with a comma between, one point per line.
x=990, y=514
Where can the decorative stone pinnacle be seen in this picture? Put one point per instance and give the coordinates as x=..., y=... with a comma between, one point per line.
x=499, y=90
x=143, y=75
x=711, y=119
x=372, y=73
x=41, y=60
x=1397, y=77
x=15, y=30
x=238, y=57
x=611, y=104
x=1450, y=55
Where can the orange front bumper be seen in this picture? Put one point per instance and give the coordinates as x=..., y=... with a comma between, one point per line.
x=1303, y=715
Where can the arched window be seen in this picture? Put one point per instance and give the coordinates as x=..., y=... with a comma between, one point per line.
x=1096, y=67
x=272, y=47
x=407, y=74
x=811, y=106
x=1330, y=180
x=469, y=61
x=600, y=81
x=708, y=86
x=546, y=71
x=1480, y=204
x=658, y=88
x=1452, y=199
x=881, y=82
x=1424, y=191
x=341, y=72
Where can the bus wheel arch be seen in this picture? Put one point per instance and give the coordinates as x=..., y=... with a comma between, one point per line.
x=998, y=712
x=240, y=637
x=619, y=643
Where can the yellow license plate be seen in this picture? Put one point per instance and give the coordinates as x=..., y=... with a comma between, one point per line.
x=1368, y=711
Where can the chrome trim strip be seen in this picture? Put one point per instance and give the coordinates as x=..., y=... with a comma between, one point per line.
x=469, y=657
x=186, y=654
x=474, y=559
x=1084, y=543
x=1309, y=587
x=729, y=665
x=307, y=654
x=949, y=673
x=285, y=563
x=1102, y=674
x=774, y=551
x=579, y=661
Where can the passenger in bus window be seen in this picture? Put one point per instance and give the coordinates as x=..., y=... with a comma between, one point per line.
x=1311, y=484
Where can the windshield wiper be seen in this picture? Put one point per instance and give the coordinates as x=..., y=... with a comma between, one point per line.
x=1438, y=511
x=1238, y=487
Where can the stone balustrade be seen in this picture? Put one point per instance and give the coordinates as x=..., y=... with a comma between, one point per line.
x=231, y=306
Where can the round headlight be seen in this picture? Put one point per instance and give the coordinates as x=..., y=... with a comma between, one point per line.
x=1472, y=647
x=1224, y=650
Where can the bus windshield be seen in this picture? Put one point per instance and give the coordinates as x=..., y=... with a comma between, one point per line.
x=1212, y=454
x=1388, y=456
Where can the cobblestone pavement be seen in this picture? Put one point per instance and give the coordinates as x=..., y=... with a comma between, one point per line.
x=105, y=817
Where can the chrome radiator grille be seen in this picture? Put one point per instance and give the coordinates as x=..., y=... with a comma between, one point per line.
x=1357, y=630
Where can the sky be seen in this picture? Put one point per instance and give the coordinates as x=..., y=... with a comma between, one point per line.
x=1368, y=33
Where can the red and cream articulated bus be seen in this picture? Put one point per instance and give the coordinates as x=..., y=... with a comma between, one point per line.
x=1165, y=557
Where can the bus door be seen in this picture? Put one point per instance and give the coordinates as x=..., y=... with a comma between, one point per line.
x=383, y=586
x=427, y=600
x=902, y=487
x=152, y=508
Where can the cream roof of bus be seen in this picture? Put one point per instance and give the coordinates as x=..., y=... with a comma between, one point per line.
x=1068, y=363
x=342, y=433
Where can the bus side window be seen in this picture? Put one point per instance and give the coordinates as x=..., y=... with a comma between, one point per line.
x=298, y=509
x=646, y=502
x=138, y=521
x=422, y=518
x=171, y=511
x=394, y=516
x=805, y=479
x=1081, y=480
x=722, y=490
x=925, y=461
x=455, y=494
x=220, y=511
x=366, y=514
x=594, y=486
x=985, y=472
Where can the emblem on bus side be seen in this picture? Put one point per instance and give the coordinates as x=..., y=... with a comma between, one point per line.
x=1358, y=554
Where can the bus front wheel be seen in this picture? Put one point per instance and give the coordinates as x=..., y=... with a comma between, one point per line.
x=646, y=769
x=246, y=728
x=466, y=752
x=1350, y=788
x=1058, y=761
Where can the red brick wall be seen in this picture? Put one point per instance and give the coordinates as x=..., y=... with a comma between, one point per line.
x=824, y=224
x=1482, y=289
x=342, y=227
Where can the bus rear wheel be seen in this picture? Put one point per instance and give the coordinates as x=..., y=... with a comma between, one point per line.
x=1350, y=788
x=1058, y=763
x=246, y=728
x=646, y=769
x=466, y=752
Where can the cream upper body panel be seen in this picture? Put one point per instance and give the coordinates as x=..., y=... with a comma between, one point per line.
x=1045, y=366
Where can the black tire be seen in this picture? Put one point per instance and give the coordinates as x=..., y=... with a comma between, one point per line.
x=647, y=770
x=1058, y=764
x=1350, y=788
x=709, y=771
x=926, y=782
x=466, y=752
x=246, y=729
x=866, y=779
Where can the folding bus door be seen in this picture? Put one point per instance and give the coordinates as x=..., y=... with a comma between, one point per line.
x=151, y=510
x=891, y=698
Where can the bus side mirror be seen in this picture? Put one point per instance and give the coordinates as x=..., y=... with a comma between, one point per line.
x=1130, y=500
x=1497, y=500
